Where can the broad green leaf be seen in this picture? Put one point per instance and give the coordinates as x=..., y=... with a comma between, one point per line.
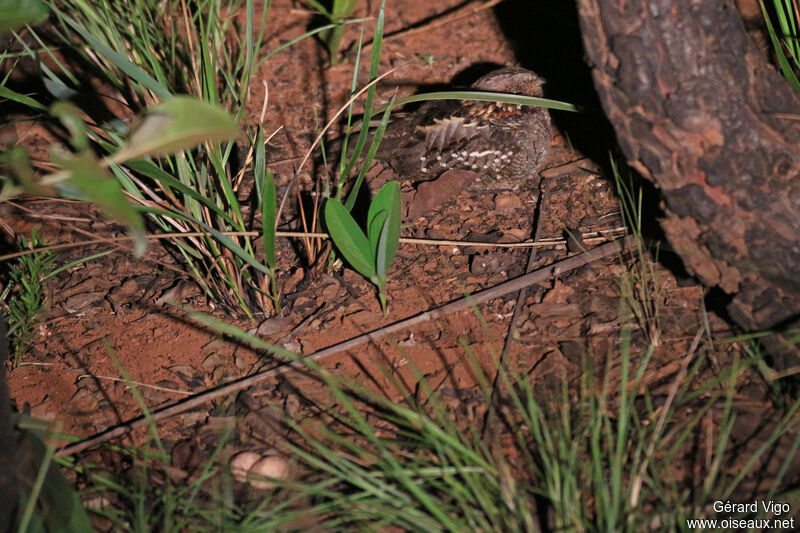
x=17, y=13
x=70, y=117
x=386, y=201
x=374, y=228
x=349, y=238
x=177, y=124
x=84, y=173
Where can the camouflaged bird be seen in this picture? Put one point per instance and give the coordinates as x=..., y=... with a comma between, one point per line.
x=506, y=142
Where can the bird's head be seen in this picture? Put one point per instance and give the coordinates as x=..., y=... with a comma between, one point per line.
x=511, y=80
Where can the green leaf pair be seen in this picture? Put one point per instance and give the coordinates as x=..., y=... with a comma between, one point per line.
x=372, y=254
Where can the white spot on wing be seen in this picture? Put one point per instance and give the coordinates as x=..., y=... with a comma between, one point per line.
x=482, y=154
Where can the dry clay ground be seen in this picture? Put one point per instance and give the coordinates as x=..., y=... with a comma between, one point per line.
x=111, y=311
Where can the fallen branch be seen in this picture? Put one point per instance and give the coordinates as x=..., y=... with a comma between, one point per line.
x=516, y=284
x=591, y=237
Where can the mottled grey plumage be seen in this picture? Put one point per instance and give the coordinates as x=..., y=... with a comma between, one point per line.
x=503, y=141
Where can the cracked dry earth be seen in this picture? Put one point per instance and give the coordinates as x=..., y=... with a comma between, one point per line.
x=113, y=312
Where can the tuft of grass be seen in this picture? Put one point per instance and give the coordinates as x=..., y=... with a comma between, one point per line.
x=602, y=456
x=165, y=49
x=640, y=288
x=24, y=295
x=596, y=453
x=786, y=38
x=601, y=459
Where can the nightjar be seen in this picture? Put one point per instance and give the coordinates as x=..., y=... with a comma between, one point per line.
x=501, y=141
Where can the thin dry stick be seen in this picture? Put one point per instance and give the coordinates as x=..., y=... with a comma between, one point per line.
x=122, y=248
x=583, y=163
x=507, y=287
x=135, y=383
x=306, y=239
x=264, y=106
x=406, y=240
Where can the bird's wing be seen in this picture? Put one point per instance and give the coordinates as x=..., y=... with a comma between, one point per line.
x=450, y=131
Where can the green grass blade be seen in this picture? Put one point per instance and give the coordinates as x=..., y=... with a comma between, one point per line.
x=373, y=73
x=307, y=35
x=373, y=149
x=14, y=96
x=265, y=183
x=152, y=171
x=121, y=62
x=268, y=211
x=786, y=68
x=220, y=237
x=482, y=96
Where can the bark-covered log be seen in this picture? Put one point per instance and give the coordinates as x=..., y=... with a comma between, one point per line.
x=703, y=115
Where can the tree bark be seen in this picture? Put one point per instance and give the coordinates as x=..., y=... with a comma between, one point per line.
x=703, y=115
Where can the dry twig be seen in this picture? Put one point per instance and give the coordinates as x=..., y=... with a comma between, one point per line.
x=550, y=271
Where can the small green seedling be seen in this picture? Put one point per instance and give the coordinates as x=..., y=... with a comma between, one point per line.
x=428, y=59
x=24, y=296
x=372, y=254
x=339, y=12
